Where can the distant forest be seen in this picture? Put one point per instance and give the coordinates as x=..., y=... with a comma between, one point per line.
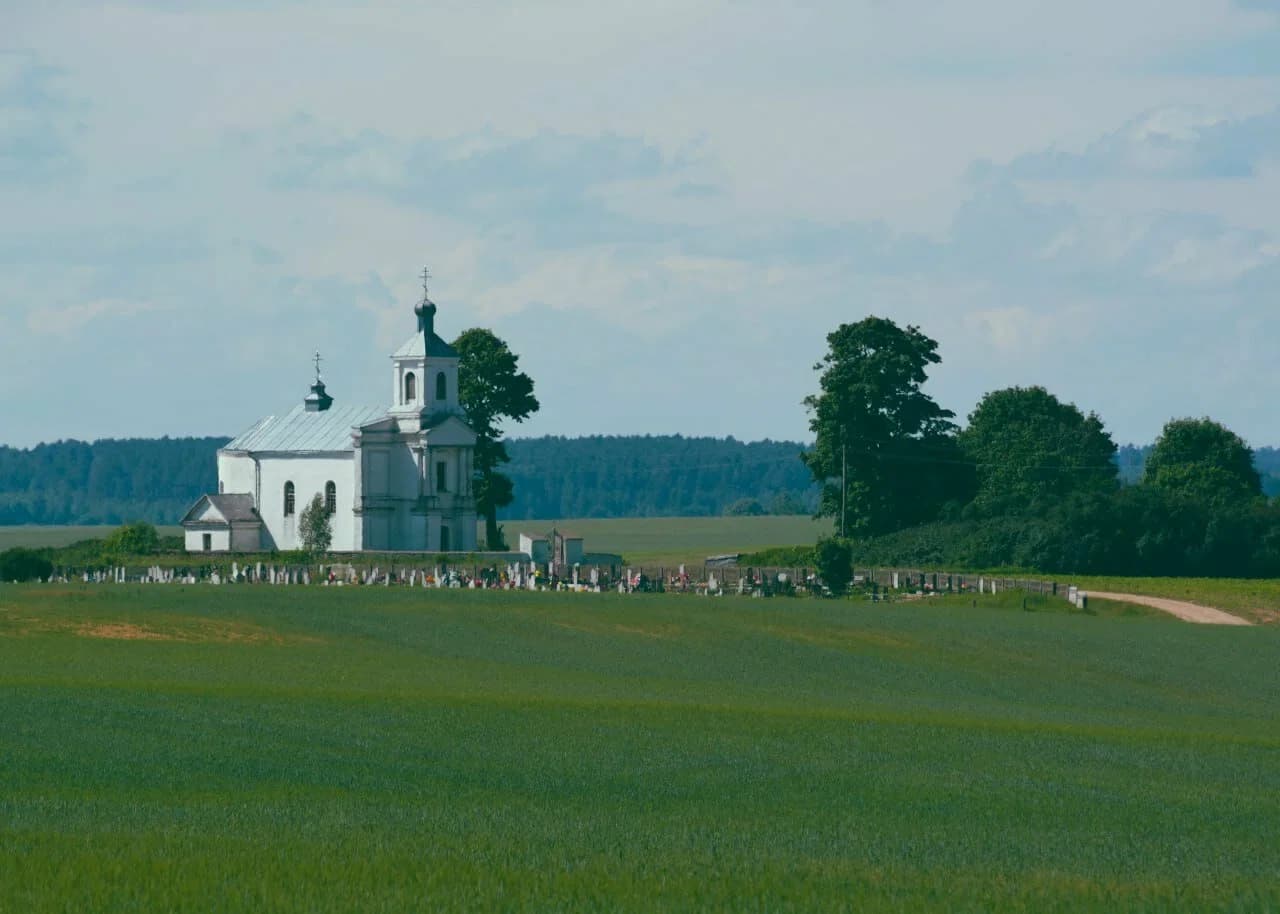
x=113, y=482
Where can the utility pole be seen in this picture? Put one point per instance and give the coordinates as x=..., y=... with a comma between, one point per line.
x=844, y=483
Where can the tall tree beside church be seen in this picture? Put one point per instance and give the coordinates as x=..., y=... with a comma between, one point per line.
x=492, y=390
x=875, y=428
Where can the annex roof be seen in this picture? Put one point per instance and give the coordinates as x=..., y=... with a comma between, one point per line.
x=237, y=509
x=416, y=348
x=305, y=432
x=223, y=510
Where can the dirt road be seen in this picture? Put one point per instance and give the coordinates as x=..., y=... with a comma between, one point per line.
x=1191, y=612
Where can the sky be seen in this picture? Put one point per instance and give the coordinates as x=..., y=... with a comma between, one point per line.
x=663, y=207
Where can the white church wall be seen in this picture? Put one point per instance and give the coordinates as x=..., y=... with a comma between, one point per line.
x=450, y=372
x=403, y=368
x=237, y=474
x=403, y=473
x=309, y=474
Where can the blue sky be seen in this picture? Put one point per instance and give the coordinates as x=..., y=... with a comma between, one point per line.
x=663, y=207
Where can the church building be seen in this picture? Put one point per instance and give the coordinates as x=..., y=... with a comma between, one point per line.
x=392, y=480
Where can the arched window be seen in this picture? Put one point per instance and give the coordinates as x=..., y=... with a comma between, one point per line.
x=288, y=499
x=330, y=498
x=442, y=387
x=410, y=388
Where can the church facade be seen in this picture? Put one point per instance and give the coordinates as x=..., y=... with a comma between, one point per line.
x=395, y=479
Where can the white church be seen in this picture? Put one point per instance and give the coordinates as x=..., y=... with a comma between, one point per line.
x=392, y=480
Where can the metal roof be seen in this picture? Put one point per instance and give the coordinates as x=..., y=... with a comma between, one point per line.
x=304, y=432
x=416, y=348
x=235, y=508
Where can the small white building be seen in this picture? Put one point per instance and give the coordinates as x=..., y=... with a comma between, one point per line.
x=555, y=548
x=392, y=479
x=223, y=523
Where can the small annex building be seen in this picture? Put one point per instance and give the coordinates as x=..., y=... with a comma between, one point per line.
x=223, y=523
x=392, y=478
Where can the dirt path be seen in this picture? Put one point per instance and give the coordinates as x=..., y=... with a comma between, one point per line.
x=1190, y=612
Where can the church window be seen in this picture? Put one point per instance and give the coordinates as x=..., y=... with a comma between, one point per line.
x=442, y=476
x=442, y=387
x=208, y=542
x=330, y=498
x=288, y=499
x=410, y=388
x=444, y=539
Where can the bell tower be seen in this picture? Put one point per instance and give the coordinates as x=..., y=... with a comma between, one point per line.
x=425, y=373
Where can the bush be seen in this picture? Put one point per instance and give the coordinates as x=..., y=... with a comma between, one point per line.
x=139, y=538
x=835, y=563
x=745, y=507
x=780, y=557
x=19, y=565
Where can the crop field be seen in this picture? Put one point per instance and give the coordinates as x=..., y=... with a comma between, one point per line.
x=56, y=537
x=671, y=540
x=642, y=540
x=382, y=749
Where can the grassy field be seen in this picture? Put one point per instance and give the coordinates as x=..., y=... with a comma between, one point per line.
x=56, y=537
x=643, y=540
x=672, y=540
x=272, y=749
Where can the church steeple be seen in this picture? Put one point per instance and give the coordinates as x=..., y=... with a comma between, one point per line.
x=318, y=401
x=426, y=368
x=426, y=310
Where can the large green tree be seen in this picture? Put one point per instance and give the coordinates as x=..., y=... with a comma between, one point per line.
x=492, y=389
x=875, y=428
x=1030, y=450
x=1203, y=460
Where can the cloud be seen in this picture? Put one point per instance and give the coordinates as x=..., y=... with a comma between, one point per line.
x=558, y=182
x=1164, y=143
x=73, y=318
x=38, y=122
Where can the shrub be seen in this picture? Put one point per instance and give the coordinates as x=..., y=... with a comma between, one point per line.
x=139, y=538
x=19, y=565
x=834, y=558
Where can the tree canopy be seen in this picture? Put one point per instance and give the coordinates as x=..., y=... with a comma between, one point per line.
x=492, y=390
x=1029, y=448
x=1202, y=459
x=875, y=427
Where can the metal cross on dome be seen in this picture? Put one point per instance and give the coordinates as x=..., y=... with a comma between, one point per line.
x=318, y=361
x=426, y=278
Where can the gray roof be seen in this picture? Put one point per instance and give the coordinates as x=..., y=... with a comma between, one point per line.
x=416, y=348
x=302, y=432
x=235, y=508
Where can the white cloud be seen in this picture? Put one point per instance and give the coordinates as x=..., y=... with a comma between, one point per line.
x=73, y=318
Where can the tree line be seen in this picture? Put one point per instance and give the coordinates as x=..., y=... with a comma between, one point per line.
x=117, y=481
x=1029, y=481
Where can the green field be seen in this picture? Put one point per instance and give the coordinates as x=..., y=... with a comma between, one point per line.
x=672, y=540
x=57, y=537
x=272, y=749
x=642, y=540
